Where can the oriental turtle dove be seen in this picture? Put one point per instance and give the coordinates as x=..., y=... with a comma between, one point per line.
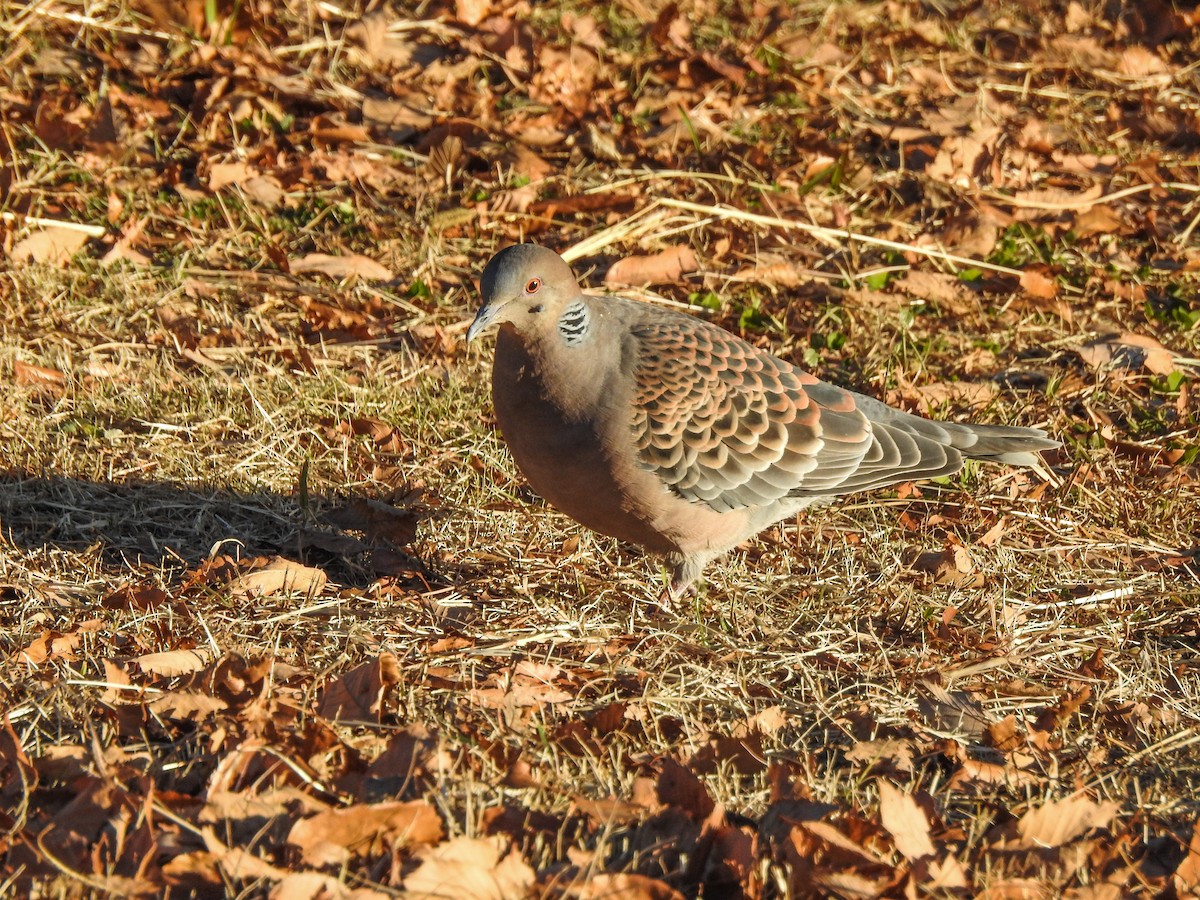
x=671, y=433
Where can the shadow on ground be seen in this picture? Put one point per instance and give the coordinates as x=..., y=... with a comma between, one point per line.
x=172, y=528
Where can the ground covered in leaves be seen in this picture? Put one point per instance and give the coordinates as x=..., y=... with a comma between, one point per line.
x=279, y=615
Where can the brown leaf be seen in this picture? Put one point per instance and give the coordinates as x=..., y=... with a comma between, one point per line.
x=622, y=886
x=1100, y=219
x=947, y=874
x=377, y=519
x=186, y=705
x=897, y=753
x=472, y=12
x=140, y=597
x=279, y=576
x=830, y=834
x=238, y=864
x=50, y=245
x=667, y=267
x=469, y=868
x=394, y=116
x=358, y=695
x=1138, y=61
x=317, y=886
x=1038, y=284
x=1130, y=351
x=411, y=754
x=172, y=662
x=50, y=645
x=337, y=836
x=347, y=266
x=1187, y=876
x=936, y=394
x=905, y=822
x=18, y=777
x=1062, y=821
x=38, y=376
x=950, y=565
x=678, y=786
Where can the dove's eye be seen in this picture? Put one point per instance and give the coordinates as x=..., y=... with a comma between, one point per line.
x=534, y=285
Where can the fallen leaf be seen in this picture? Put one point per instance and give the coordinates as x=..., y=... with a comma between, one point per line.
x=358, y=694
x=1138, y=62
x=317, y=886
x=947, y=874
x=1038, y=284
x=679, y=786
x=339, y=835
x=1129, y=351
x=898, y=753
x=950, y=565
x=1187, y=875
x=378, y=519
x=278, y=576
x=469, y=868
x=236, y=863
x=905, y=822
x=471, y=12
x=186, y=705
x=622, y=886
x=52, y=245
x=37, y=376
x=1099, y=219
x=667, y=267
x=232, y=173
x=18, y=776
x=172, y=662
x=1062, y=821
x=347, y=266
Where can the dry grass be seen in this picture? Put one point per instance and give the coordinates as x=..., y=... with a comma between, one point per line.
x=196, y=407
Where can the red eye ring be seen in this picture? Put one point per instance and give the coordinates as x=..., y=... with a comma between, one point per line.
x=533, y=286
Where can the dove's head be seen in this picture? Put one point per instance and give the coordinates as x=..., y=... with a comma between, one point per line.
x=526, y=286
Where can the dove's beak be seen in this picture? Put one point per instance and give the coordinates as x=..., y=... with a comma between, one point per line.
x=482, y=320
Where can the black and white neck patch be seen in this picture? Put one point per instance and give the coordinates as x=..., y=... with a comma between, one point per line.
x=573, y=323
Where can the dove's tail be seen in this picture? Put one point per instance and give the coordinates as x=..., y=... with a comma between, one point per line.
x=999, y=443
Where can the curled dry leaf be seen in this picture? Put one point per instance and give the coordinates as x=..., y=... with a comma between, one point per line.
x=667, y=267
x=358, y=695
x=49, y=645
x=337, y=836
x=347, y=266
x=471, y=869
x=279, y=576
x=377, y=519
x=1101, y=219
x=18, y=777
x=950, y=565
x=679, y=786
